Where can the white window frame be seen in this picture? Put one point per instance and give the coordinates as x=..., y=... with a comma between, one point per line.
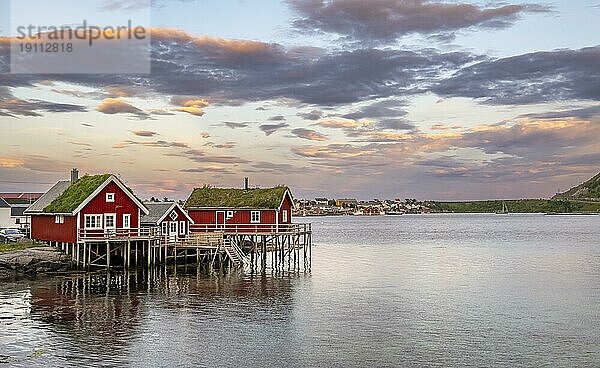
x=114, y=216
x=98, y=222
x=165, y=228
x=171, y=223
x=255, y=217
x=182, y=227
x=110, y=197
x=229, y=214
x=174, y=215
x=59, y=219
x=284, y=216
x=127, y=224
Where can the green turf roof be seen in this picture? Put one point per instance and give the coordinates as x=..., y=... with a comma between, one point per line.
x=208, y=197
x=76, y=193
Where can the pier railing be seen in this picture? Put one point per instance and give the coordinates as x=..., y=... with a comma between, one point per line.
x=145, y=233
x=252, y=228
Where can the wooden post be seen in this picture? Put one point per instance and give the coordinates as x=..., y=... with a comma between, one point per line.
x=77, y=256
x=108, y=255
x=128, y=253
x=264, y=255
x=136, y=254
x=149, y=250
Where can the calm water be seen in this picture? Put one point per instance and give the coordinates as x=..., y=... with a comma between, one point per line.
x=445, y=290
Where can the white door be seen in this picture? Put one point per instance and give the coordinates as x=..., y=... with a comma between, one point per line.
x=173, y=229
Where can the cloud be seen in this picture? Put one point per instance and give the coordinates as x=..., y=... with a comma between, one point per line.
x=234, y=125
x=113, y=106
x=384, y=21
x=194, y=106
x=205, y=135
x=10, y=163
x=277, y=118
x=312, y=115
x=11, y=106
x=144, y=133
x=309, y=134
x=269, y=129
x=159, y=144
x=538, y=77
x=234, y=72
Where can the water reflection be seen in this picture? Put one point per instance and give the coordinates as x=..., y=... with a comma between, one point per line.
x=108, y=316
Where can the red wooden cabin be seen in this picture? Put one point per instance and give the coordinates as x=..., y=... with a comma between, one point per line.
x=87, y=208
x=240, y=210
x=172, y=220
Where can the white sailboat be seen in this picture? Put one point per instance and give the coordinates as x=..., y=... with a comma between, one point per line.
x=504, y=209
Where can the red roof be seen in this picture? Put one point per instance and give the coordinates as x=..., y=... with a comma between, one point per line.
x=21, y=195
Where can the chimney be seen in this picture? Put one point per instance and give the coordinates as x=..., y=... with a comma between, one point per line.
x=74, y=175
x=246, y=183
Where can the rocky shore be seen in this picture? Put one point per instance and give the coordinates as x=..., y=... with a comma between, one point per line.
x=33, y=261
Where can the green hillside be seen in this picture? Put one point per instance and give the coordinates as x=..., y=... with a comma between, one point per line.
x=517, y=206
x=588, y=191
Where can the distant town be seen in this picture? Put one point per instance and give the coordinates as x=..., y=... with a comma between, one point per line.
x=354, y=207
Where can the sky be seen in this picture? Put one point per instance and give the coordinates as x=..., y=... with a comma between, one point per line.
x=445, y=100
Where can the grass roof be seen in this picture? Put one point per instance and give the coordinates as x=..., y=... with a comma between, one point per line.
x=76, y=193
x=236, y=198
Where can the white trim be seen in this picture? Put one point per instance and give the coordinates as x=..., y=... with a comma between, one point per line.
x=173, y=207
x=288, y=192
x=100, y=223
x=78, y=226
x=224, y=224
x=284, y=216
x=252, y=213
x=112, y=179
x=108, y=195
x=114, y=216
x=182, y=229
x=128, y=217
x=276, y=220
x=59, y=219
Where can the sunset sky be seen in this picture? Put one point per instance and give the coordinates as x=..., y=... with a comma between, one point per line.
x=344, y=98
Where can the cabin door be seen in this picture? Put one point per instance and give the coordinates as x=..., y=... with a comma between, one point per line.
x=173, y=229
x=220, y=220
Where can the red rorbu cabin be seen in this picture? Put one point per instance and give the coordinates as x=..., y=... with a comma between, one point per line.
x=240, y=210
x=91, y=207
x=172, y=220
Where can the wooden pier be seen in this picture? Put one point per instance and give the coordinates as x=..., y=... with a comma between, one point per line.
x=254, y=249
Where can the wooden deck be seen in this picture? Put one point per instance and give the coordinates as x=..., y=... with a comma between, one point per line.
x=248, y=247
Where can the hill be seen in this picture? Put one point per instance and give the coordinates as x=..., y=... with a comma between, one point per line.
x=588, y=191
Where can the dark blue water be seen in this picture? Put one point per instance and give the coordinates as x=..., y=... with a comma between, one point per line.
x=443, y=290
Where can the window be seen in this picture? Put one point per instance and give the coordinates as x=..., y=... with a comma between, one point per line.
x=173, y=227
x=59, y=219
x=255, y=217
x=110, y=197
x=285, y=216
x=126, y=221
x=181, y=227
x=165, y=228
x=93, y=222
x=173, y=215
x=229, y=214
x=110, y=221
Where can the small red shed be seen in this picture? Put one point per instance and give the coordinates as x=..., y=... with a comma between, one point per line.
x=172, y=220
x=240, y=210
x=89, y=207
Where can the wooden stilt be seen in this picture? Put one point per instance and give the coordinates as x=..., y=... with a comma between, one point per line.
x=108, y=255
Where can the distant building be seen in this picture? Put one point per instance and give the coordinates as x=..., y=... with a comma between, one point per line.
x=20, y=198
x=346, y=202
x=11, y=215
